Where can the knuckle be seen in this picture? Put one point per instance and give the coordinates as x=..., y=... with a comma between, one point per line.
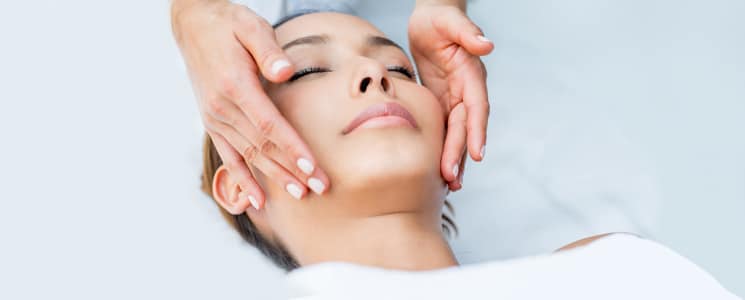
x=266, y=126
x=266, y=146
x=250, y=154
x=252, y=23
x=241, y=13
x=228, y=86
x=217, y=109
x=264, y=24
x=221, y=113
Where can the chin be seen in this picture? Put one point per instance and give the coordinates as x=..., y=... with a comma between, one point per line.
x=386, y=158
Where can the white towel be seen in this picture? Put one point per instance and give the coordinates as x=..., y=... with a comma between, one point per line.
x=618, y=266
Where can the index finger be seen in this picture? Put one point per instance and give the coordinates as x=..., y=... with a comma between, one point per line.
x=476, y=99
x=270, y=123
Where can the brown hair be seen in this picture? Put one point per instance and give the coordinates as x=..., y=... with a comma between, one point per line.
x=273, y=250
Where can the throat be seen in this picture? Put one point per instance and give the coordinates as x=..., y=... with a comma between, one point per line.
x=401, y=241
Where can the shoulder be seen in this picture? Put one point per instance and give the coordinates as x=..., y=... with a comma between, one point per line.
x=588, y=240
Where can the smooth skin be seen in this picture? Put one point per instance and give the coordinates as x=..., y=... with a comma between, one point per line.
x=228, y=48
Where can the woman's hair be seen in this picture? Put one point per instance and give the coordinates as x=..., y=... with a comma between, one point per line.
x=273, y=250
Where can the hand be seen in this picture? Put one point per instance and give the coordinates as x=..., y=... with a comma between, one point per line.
x=446, y=47
x=225, y=46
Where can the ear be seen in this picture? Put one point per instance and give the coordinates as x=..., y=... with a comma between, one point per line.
x=227, y=192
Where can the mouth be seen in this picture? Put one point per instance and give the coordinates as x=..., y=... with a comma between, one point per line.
x=384, y=114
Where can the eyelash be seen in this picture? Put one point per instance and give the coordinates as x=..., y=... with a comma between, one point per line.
x=401, y=69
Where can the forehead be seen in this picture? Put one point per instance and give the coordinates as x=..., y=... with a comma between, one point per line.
x=334, y=25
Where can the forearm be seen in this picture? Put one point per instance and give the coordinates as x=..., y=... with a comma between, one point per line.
x=461, y=4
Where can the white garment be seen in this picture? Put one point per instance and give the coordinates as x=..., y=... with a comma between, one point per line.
x=619, y=266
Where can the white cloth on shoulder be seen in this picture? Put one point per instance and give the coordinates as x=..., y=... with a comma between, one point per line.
x=618, y=266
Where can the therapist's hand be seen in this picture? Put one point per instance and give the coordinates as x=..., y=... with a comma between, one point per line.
x=446, y=47
x=227, y=47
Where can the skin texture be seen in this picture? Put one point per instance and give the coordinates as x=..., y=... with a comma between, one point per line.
x=388, y=193
x=228, y=49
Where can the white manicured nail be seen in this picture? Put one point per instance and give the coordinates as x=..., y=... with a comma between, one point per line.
x=279, y=65
x=455, y=171
x=483, y=151
x=294, y=190
x=483, y=39
x=253, y=202
x=316, y=185
x=305, y=165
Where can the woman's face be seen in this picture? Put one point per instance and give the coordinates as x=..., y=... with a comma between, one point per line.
x=353, y=67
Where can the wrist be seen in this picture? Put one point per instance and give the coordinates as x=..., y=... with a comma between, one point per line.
x=460, y=4
x=178, y=6
x=180, y=13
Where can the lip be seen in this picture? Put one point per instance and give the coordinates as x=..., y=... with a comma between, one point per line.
x=383, y=109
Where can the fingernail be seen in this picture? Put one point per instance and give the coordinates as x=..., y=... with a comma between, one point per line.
x=253, y=202
x=294, y=190
x=455, y=170
x=305, y=165
x=279, y=65
x=483, y=39
x=316, y=185
x=483, y=151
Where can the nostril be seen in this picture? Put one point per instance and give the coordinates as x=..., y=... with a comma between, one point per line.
x=365, y=82
x=385, y=84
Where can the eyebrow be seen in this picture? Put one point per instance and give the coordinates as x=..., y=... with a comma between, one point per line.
x=372, y=40
x=307, y=40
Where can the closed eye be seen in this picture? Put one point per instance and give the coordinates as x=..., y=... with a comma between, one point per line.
x=310, y=70
x=306, y=71
x=403, y=70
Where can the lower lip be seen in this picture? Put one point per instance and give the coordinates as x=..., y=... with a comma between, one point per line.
x=385, y=121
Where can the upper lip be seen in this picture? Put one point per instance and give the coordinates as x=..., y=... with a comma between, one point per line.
x=380, y=110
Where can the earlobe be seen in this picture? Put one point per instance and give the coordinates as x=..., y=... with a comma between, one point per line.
x=226, y=192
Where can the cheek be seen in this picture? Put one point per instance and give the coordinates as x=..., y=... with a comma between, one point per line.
x=428, y=113
x=315, y=112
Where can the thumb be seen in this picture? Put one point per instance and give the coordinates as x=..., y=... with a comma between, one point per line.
x=257, y=36
x=458, y=28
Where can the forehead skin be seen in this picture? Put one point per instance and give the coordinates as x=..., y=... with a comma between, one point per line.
x=335, y=25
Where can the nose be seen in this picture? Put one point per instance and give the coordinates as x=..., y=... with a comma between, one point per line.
x=371, y=77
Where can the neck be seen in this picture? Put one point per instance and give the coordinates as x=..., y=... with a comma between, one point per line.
x=394, y=241
x=393, y=228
